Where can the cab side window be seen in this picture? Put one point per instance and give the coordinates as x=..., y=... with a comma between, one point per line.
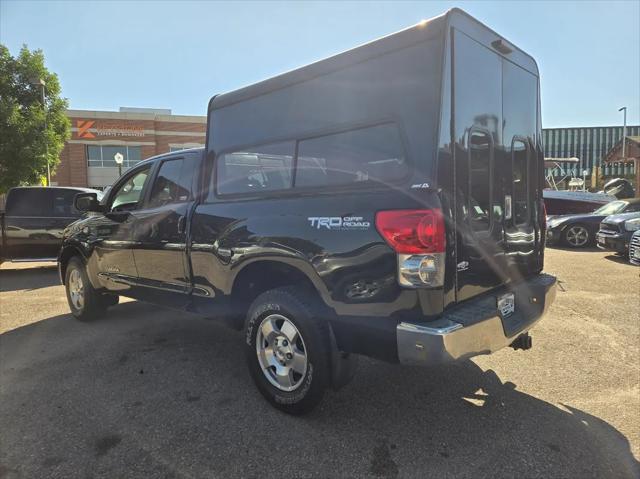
x=173, y=183
x=128, y=194
x=63, y=203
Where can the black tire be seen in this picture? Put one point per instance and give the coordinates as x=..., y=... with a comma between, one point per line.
x=93, y=304
x=572, y=232
x=296, y=307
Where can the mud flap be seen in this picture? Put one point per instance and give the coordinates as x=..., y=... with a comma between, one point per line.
x=343, y=365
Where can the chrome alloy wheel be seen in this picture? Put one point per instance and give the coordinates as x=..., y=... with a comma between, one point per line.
x=76, y=289
x=281, y=352
x=577, y=235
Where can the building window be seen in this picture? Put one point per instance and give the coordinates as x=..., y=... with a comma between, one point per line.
x=102, y=156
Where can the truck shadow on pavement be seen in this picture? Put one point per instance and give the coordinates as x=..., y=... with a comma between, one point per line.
x=149, y=392
x=28, y=279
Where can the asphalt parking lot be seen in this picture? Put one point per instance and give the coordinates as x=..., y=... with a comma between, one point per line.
x=146, y=392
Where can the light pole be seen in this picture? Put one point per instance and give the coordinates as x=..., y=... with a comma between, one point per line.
x=39, y=82
x=624, y=132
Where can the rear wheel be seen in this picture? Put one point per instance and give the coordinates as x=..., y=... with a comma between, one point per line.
x=577, y=236
x=287, y=350
x=84, y=301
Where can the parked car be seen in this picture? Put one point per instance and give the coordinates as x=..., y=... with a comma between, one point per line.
x=634, y=248
x=316, y=219
x=616, y=231
x=578, y=231
x=34, y=219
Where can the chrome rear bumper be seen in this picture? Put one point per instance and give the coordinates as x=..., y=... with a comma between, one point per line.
x=475, y=327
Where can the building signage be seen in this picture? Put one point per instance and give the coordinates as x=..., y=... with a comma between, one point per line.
x=93, y=128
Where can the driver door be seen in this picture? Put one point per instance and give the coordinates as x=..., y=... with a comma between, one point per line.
x=116, y=231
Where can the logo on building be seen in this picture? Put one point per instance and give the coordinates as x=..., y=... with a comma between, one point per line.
x=83, y=128
x=93, y=128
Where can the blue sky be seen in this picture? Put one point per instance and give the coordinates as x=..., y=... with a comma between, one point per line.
x=170, y=54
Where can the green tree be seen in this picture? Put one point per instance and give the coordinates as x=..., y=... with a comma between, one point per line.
x=25, y=144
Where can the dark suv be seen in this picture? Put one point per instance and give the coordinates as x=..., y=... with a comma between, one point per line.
x=386, y=201
x=32, y=224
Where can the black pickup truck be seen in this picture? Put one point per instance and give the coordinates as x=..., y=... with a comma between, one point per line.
x=386, y=202
x=34, y=220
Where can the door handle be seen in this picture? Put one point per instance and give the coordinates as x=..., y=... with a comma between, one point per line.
x=508, y=207
x=182, y=223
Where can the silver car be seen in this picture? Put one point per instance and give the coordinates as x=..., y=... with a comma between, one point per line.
x=634, y=248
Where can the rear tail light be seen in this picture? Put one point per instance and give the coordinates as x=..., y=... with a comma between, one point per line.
x=412, y=231
x=418, y=236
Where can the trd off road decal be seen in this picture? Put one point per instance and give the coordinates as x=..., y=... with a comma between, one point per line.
x=339, y=222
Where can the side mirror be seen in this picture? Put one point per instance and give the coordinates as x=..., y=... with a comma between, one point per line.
x=87, y=202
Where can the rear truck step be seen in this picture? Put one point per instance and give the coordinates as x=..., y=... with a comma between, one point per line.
x=477, y=326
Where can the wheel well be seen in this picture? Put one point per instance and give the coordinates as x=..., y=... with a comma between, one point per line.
x=262, y=276
x=65, y=256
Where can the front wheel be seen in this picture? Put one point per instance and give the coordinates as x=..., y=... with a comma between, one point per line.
x=577, y=236
x=84, y=301
x=287, y=350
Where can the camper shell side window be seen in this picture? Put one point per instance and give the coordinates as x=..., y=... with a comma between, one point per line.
x=347, y=158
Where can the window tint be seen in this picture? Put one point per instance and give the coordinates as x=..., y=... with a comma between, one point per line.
x=63, y=202
x=173, y=183
x=480, y=153
x=128, y=194
x=519, y=168
x=257, y=169
x=29, y=202
x=367, y=154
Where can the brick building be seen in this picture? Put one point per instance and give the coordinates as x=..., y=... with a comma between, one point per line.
x=137, y=133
